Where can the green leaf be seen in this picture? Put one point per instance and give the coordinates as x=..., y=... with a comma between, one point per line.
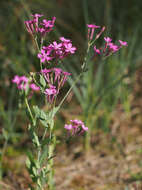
x=28, y=163
x=42, y=81
x=40, y=114
x=44, y=154
x=34, y=170
x=45, y=118
x=39, y=183
x=45, y=123
x=36, y=140
x=5, y=134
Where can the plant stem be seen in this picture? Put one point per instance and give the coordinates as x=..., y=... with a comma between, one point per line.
x=77, y=79
x=29, y=110
x=50, y=162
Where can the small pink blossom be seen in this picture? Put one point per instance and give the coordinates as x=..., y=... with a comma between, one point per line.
x=36, y=15
x=68, y=127
x=56, y=46
x=16, y=79
x=91, y=29
x=55, y=75
x=34, y=87
x=76, y=127
x=70, y=48
x=97, y=51
x=107, y=39
x=84, y=127
x=64, y=40
x=122, y=43
x=47, y=26
x=44, y=56
x=112, y=47
x=92, y=26
x=21, y=81
x=50, y=91
x=65, y=75
x=24, y=79
x=57, y=72
x=45, y=71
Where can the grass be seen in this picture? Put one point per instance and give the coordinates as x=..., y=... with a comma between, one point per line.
x=106, y=85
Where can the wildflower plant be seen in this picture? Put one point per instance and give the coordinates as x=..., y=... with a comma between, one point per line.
x=48, y=82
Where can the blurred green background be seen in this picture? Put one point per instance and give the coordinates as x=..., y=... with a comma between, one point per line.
x=101, y=92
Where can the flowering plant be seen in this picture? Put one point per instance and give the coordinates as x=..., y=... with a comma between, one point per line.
x=49, y=81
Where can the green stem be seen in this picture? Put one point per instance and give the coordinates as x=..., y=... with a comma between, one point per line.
x=50, y=162
x=37, y=46
x=29, y=110
x=86, y=57
x=36, y=43
x=77, y=79
x=39, y=149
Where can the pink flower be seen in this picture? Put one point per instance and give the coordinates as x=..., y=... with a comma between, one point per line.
x=70, y=48
x=24, y=79
x=56, y=50
x=92, y=26
x=30, y=26
x=16, y=79
x=45, y=71
x=91, y=29
x=35, y=26
x=112, y=47
x=122, y=43
x=55, y=78
x=56, y=46
x=107, y=39
x=76, y=122
x=44, y=56
x=50, y=93
x=84, y=128
x=57, y=72
x=21, y=81
x=47, y=26
x=76, y=127
x=34, y=87
x=97, y=51
x=64, y=40
x=68, y=127
x=65, y=75
x=36, y=15
x=55, y=75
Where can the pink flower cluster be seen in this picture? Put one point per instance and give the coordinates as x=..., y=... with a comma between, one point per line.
x=35, y=26
x=109, y=47
x=23, y=82
x=76, y=127
x=56, y=50
x=55, y=78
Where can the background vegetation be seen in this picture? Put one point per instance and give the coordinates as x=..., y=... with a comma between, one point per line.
x=109, y=92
